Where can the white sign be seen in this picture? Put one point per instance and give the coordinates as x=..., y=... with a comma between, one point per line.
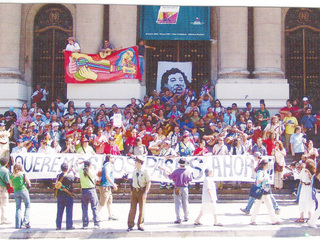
x=225, y=168
x=117, y=120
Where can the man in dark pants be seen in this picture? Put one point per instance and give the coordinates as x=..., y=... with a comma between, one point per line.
x=64, y=199
x=141, y=184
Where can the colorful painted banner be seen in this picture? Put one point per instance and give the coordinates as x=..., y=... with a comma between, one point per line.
x=225, y=168
x=102, y=67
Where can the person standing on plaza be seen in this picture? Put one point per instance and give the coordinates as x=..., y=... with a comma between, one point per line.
x=209, y=198
x=106, y=185
x=290, y=122
x=65, y=200
x=88, y=194
x=181, y=178
x=316, y=184
x=262, y=181
x=20, y=181
x=4, y=196
x=141, y=184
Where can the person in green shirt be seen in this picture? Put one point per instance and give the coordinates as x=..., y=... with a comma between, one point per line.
x=4, y=196
x=88, y=194
x=19, y=181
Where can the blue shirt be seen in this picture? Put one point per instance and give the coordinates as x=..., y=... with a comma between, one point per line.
x=297, y=142
x=229, y=119
x=308, y=122
x=104, y=181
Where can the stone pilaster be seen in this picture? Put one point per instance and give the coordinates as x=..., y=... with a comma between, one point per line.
x=267, y=43
x=123, y=25
x=89, y=27
x=233, y=40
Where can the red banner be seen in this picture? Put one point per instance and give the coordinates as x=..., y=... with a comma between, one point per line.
x=102, y=67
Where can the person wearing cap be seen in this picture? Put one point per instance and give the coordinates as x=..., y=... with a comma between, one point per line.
x=305, y=105
x=106, y=185
x=141, y=184
x=64, y=199
x=72, y=45
x=185, y=147
x=10, y=114
x=88, y=194
x=309, y=125
x=181, y=178
x=111, y=147
x=85, y=147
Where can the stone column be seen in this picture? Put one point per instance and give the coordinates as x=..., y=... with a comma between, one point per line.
x=10, y=25
x=89, y=27
x=123, y=25
x=267, y=43
x=233, y=34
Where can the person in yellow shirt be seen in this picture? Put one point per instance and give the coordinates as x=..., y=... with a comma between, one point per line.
x=290, y=122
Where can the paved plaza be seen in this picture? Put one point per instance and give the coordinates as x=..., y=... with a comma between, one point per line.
x=159, y=223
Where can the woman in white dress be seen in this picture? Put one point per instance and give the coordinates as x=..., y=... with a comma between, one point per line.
x=209, y=198
x=279, y=153
x=306, y=203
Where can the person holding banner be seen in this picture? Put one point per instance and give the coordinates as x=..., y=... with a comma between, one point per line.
x=141, y=184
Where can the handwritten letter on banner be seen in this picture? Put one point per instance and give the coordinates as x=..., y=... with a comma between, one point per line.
x=225, y=168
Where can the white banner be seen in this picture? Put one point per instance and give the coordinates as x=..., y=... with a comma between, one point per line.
x=225, y=168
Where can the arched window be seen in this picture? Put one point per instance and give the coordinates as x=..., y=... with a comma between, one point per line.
x=302, y=41
x=53, y=24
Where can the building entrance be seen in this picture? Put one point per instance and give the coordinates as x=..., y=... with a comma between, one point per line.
x=53, y=24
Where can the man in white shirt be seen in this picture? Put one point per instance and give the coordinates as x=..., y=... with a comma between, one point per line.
x=72, y=45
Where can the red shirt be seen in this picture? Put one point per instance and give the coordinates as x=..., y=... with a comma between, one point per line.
x=112, y=150
x=270, y=145
x=198, y=150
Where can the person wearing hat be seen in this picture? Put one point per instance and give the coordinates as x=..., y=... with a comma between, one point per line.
x=181, y=178
x=39, y=124
x=185, y=147
x=85, y=147
x=10, y=115
x=88, y=194
x=72, y=45
x=64, y=199
x=141, y=184
x=111, y=147
x=305, y=105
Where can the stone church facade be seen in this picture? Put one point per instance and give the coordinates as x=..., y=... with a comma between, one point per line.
x=253, y=53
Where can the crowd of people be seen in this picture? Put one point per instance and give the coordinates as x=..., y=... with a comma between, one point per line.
x=168, y=124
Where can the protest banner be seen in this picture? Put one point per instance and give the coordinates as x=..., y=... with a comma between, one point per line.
x=225, y=167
